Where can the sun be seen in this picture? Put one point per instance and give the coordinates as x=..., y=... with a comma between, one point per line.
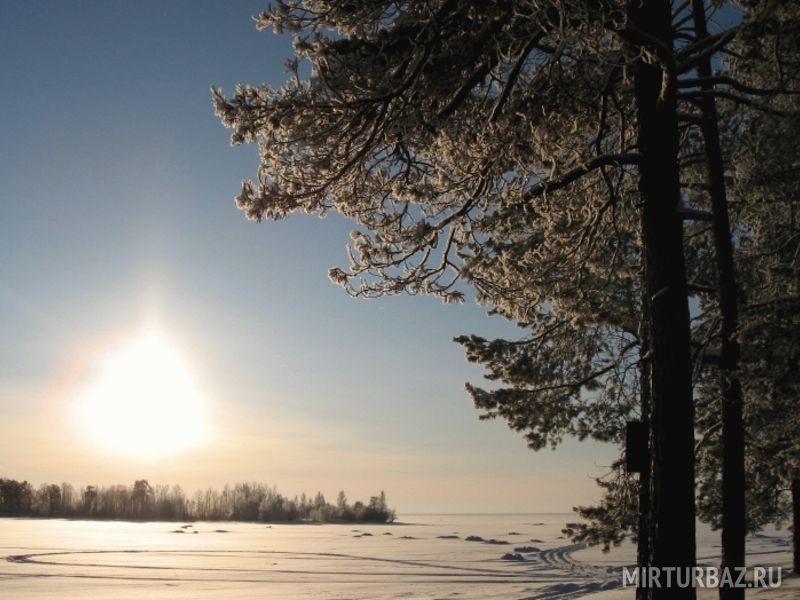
x=142, y=401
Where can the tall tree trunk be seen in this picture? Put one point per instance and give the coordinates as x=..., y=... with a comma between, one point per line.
x=796, y=524
x=644, y=532
x=672, y=420
x=733, y=497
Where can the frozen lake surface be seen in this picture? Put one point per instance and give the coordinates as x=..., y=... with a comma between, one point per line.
x=428, y=556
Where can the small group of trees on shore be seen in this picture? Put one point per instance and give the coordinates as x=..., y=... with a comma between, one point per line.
x=238, y=502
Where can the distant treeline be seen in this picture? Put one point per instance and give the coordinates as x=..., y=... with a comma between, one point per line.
x=141, y=501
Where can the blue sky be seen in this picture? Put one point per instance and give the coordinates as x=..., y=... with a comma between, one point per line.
x=116, y=183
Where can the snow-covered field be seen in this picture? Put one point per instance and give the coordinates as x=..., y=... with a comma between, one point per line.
x=428, y=556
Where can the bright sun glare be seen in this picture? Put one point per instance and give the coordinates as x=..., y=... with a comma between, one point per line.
x=142, y=401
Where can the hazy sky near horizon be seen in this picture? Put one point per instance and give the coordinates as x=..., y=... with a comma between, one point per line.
x=116, y=182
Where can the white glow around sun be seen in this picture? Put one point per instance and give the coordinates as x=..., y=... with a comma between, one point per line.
x=142, y=401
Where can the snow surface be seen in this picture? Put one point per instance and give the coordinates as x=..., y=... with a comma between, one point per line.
x=426, y=557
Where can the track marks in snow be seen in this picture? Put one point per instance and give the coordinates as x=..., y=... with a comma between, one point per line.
x=257, y=566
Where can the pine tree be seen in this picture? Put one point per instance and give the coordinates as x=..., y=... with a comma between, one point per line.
x=495, y=144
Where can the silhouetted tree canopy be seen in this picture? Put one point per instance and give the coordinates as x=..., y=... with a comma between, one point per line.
x=141, y=501
x=544, y=152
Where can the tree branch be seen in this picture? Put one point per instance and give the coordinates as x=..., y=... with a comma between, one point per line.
x=616, y=160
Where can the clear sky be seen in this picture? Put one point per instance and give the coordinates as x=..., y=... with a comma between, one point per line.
x=116, y=183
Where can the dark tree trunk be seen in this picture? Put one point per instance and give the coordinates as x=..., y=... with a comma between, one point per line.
x=796, y=524
x=733, y=497
x=672, y=417
x=644, y=533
